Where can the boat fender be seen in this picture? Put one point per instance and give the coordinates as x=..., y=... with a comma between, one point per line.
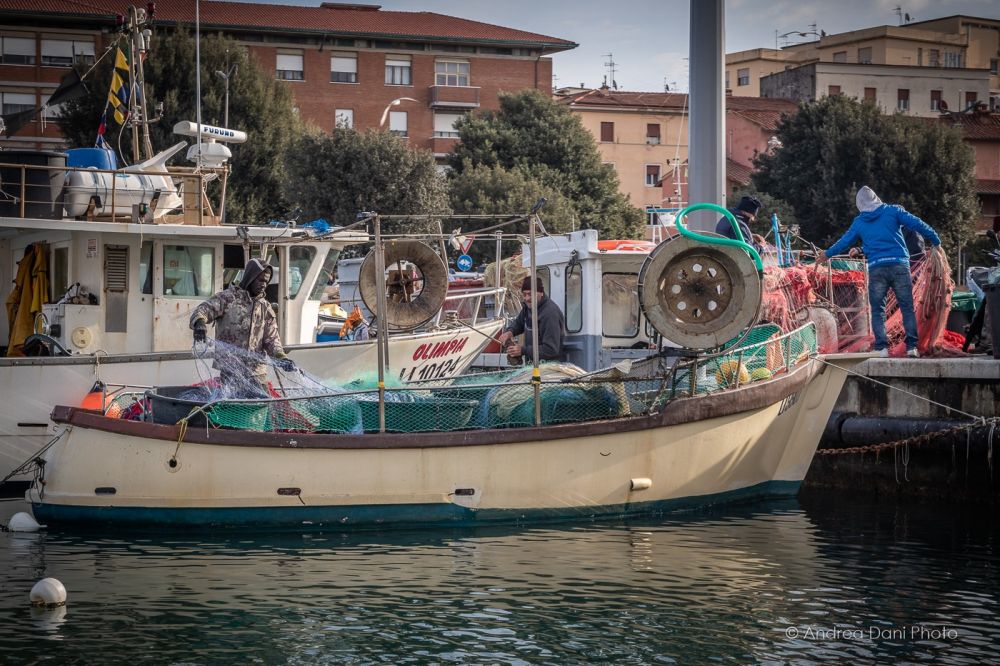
x=48, y=592
x=640, y=484
x=23, y=522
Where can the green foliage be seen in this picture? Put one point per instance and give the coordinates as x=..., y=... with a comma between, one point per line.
x=340, y=174
x=540, y=140
x=258, y=105
x=832, y=147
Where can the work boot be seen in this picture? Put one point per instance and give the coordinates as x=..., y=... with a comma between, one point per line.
x=883, y=353
x=913, y=353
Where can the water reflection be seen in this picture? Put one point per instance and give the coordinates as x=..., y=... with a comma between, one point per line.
x=740, y=584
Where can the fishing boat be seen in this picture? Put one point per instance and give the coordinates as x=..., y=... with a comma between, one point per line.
x=741, y=421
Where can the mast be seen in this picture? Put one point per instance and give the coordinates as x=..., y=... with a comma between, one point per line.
x=139, y=35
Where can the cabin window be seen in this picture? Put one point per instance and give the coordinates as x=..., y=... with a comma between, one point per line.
x=620, y=305
x=574, y=298
x=327, y=275
x=300, y=258
x=146, y=267
x=59, y=284
x=188, y=272
x=233, y=262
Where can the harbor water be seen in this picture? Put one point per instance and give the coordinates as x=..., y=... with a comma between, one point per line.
x=820, y=578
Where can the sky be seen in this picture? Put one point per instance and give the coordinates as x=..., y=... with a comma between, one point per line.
x=648, y=39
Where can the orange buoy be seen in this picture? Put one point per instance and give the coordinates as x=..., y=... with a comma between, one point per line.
x=94, y=399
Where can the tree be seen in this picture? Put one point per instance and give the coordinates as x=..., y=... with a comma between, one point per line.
x=340, y=174
x=833, y=146
x=258, y=105
x=543, y=141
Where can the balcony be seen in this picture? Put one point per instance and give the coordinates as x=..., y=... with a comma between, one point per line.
x=443, y=145
x=454, y=97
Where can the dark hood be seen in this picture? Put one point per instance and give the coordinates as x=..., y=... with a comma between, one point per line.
x=252, y=271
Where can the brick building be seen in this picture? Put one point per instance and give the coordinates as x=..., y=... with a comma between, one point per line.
x=345, y=63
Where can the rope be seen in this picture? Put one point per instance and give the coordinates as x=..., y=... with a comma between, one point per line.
x=949, y=408
x=27, y=464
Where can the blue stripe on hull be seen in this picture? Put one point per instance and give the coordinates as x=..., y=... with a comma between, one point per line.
x=378, y=516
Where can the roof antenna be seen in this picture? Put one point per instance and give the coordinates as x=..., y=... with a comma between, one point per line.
x=612, y=68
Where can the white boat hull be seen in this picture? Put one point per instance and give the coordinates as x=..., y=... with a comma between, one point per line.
x=33, y=386
x=761, y=443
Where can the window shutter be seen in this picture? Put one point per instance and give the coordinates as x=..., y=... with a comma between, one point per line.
x=289, y=62
x=58, y=48
x=445, y=122
x=19, y=46
x=346, y=65
x=653, y=130
x=607, y=131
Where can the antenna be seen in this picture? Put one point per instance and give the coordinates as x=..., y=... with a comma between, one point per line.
x=898, y=11
x=612, y=68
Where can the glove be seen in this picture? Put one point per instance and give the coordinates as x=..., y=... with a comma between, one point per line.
x=286, y=364
x=200, y=330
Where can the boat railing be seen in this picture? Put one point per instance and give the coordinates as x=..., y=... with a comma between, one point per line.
x=503, y=399
x=471, y=306
x=47, y=192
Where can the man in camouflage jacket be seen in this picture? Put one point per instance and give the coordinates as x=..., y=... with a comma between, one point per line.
x=245, y=320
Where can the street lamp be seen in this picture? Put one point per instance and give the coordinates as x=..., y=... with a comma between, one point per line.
x=395, y=102
x=226, y=76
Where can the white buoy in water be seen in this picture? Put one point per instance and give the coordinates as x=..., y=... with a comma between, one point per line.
x=23, y=522
x=48, y=592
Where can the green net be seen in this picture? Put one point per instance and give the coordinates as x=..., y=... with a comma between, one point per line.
x=509, y=399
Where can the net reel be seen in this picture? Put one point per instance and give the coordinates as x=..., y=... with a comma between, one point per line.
x=700, y=295
x=411, y=299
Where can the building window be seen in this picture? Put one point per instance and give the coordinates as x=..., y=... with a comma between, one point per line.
x=727, y=80
x=870, y=95
x=444, y=125
x=52, y=112
x=952, y=59
x=994, y=65
x=397, y=71
x=14, y=102
x=607, y=132
x=343, y=119
x=743, y=77
x=903, y=99
x=66, y=52
x=971, y=97
x=832, y=90
x=397, y=123
x=652, y=175
x=935, y=100
x=653, y=134
x=865, y=55
x=610, y=164
x=934, y=58
x=344, y=68
x=920, y=57
x=18, y=50
x=840, y=56
x=451, y=73
x=288, y=66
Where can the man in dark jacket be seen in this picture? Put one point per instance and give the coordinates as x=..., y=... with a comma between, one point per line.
x=244, y=320
x=551, y=326
x=879, y=227
x=745, y=213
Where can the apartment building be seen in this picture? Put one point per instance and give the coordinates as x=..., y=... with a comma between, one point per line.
x=941, y=47
x=345, y=63
x=644, y=136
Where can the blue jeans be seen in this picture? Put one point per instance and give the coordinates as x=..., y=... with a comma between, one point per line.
x=880, y=280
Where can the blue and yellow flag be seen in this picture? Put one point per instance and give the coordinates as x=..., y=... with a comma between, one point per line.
x=118, y=95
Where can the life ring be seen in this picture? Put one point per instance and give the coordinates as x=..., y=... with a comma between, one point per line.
x=697, y=295
x=408, y=304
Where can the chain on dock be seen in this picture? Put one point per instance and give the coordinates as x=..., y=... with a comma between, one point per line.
x=916, y=440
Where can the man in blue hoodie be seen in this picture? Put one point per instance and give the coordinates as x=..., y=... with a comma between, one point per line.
x=879, y=227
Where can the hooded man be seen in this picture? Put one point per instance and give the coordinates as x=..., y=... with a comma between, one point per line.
x=879, y=227
x=551, y=326
x=745, y=213
x=243, y=318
